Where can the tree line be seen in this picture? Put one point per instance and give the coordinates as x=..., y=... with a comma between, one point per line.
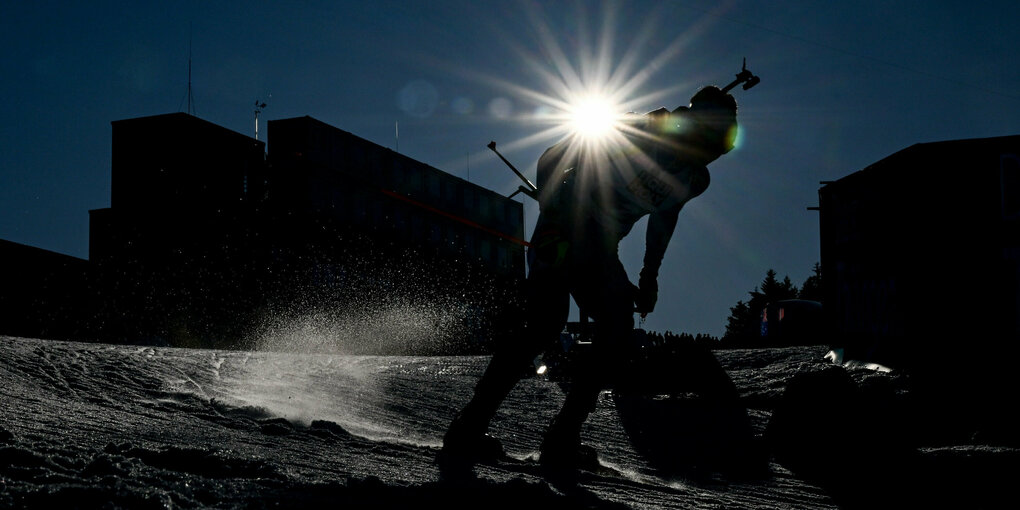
x=744, y=323
x=743, y=326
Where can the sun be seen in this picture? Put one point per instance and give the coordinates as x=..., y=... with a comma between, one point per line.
x=591, y=91
x=593, y=116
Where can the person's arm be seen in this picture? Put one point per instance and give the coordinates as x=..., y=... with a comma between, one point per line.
x=660, y=230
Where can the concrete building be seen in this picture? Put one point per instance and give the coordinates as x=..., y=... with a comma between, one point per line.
x=921, y=250
x=208, y=237
x=44, y=294
x=926, y=240
x=318, y=168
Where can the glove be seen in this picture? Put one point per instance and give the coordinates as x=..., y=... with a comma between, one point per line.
x=646, y=294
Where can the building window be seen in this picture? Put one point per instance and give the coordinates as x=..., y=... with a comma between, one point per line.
x=483, y=207
x=412, y=179
x=400, y=220
x=435, y=233
x=360, y=208
x=453, y=236
x=396, y=179
x=433, y=185
x=512, y=218
x=485, y=253
x=357, y=160
x=501, y=256
x=378, y=215
x=449, y=193
x=417, y=227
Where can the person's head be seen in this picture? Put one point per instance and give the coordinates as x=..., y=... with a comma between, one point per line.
x=709, y=124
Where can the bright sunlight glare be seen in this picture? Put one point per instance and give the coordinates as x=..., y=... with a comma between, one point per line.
x=593, y=116
x=594, y=96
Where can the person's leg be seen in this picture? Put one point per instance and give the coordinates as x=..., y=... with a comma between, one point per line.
x=504, y=370
x=547, y=305
x=602, y=289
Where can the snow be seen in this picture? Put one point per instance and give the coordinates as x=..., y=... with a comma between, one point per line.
x=116, y=426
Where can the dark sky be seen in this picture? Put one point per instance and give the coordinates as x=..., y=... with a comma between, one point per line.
x=844, y=84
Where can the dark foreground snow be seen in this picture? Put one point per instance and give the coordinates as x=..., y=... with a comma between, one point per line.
x=92, y=425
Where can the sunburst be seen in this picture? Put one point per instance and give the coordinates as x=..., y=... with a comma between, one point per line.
x=593, y=95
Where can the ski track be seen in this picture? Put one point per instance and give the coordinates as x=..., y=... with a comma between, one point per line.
x=134, y=426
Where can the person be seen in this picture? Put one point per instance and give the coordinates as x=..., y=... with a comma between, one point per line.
x=590, y=196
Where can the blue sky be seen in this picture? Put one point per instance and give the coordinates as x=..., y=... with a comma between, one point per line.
x=844, y=84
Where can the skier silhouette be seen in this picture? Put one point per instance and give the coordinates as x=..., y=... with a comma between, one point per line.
x=590, y=196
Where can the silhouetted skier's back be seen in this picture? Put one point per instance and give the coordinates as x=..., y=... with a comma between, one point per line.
x=590, y=197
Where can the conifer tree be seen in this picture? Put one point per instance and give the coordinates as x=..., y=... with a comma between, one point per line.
x=744, y=322
x=736, y=323
x=774, y=290
x=812, y=287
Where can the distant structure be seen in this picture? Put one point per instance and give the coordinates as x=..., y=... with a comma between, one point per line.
x=259, y=107
x=44, y=294
x=791, y=322
x=921, y=250
x=208, y=237
x=920, y=256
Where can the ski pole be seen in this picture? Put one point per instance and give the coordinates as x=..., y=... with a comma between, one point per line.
x=531, y=190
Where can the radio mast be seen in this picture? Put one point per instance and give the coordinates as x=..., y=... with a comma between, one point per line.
x=191, y=98
x=259, y=106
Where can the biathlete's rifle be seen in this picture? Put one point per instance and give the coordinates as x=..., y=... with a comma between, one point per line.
x=744, y=76
x=531, y=190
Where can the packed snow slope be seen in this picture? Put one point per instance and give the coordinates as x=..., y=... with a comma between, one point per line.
x=93, y=425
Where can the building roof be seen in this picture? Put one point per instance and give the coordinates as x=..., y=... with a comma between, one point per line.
x=921, y=159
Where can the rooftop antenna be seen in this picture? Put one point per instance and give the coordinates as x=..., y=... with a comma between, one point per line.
x=259, y=106
x=191, y=99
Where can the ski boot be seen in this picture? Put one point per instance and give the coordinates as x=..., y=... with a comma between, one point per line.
x=466, y=443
